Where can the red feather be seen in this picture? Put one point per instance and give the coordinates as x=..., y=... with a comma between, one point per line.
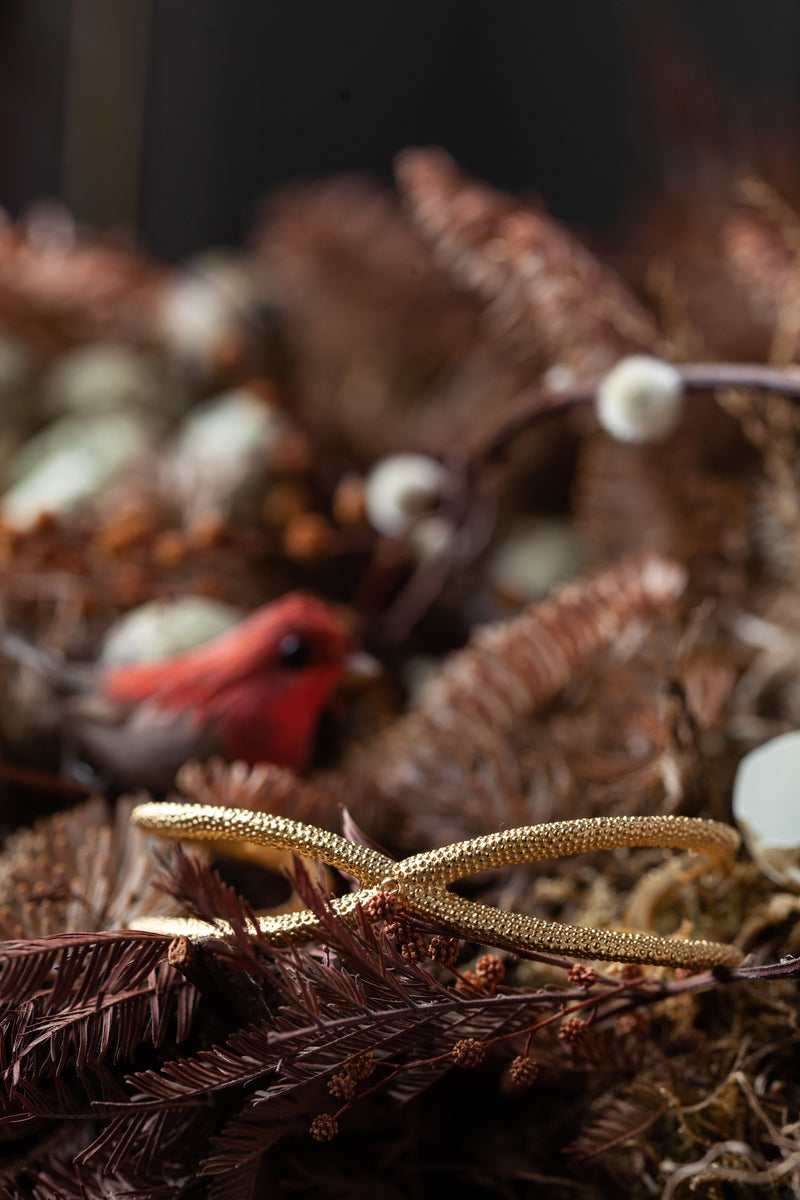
x=263, y=707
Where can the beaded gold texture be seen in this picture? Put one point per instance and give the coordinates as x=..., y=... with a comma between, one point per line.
x=420, y=882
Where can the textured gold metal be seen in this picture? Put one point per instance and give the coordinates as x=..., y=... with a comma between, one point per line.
x=422, y=880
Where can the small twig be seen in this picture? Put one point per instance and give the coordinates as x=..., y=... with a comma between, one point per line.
x=469, y=468
x=29, y=777
x=535, y=405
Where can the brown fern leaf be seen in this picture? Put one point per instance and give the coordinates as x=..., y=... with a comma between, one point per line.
x=368, y=318
x=59, y=291
x=108, y=993
x=206, y=895
x=761, y=243
x=735, y=267
x=325, y=1014
x=60, y=1178
x=262, y=788
x=77, y=1011
x=686, y=498
x=66, y=1097
x=765, y=269
x=71, y=1003
x=78, y=960
x=47, y=1170
x=328, y=1016
x=145, y=1145
x=513, y=668
x=239, y=1150
x=548, y=299
x=77, y=870
x=453, y=748
x=629, y=1116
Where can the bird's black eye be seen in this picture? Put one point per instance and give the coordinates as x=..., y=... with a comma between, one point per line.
x=294, y=652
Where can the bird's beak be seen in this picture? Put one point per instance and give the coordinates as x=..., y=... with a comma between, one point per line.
x=360, y=670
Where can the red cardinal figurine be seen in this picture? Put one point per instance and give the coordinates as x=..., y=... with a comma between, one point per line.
x=254, y=693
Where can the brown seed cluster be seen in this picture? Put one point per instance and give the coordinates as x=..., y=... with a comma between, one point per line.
x=522, y=1072
x=580, y=975
x=361, y=1067
x=469, y=982
x=573, y=1031
x=324, y=1127
x=415, y=948
x=444, y=950
x=468, y=1052
x=342, y=1086
x=399, y=930
x=381, y=907
x=490, y=970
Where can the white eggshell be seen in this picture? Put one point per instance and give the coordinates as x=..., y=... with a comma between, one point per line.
x=535, y=556
x=162, y=628
x=221, y=448
x=70, y=463
x=766, y=805
x=107, y=376
x=209, y=297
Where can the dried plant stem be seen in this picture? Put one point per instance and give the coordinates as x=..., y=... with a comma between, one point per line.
x=33, y=778
x=532, y=407
x=581, y=1005
x=535, y=405
x=471, y=464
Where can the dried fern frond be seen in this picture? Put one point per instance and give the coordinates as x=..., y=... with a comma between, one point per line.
x=369, y=321
x=686, y=498
x=64, y=1022
x=238, y=1151
x=78, y=1009
x=548, y=300
x=47, y=1170
x=629, y=1116
x=449, y=764
x=714, y=251
x=638, y=738
x=76, y=1005
x=762, y=244
x=262, y=788
x=515, y=667
x=57, y=291
x=78, y=870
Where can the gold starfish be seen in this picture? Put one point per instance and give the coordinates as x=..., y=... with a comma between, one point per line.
x=421, y=882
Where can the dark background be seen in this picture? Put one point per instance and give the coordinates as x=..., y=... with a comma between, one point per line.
x=175, y=116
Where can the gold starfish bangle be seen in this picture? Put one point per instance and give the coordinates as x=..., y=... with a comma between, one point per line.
x=421, y=881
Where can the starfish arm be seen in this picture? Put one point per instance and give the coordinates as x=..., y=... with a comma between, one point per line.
x=201, y=822
x=277, y=930
x=530, y=843
x=421, y=880
x=515, y=931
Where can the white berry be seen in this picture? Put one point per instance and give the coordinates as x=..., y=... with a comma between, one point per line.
x=401, y=488
x=640, y=399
